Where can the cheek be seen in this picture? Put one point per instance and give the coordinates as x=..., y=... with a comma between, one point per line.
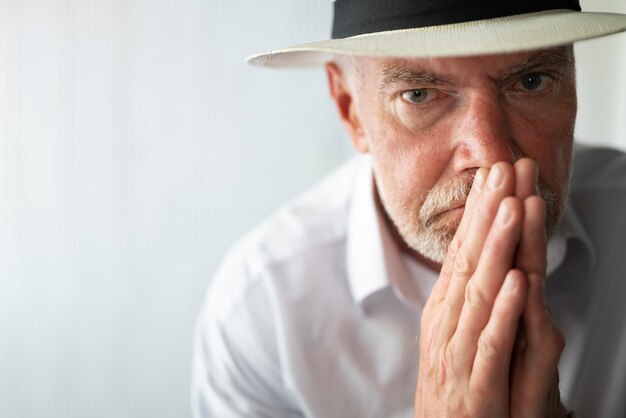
x=401, y=146
x=407, y=166
x=549, y=141
x=407, y=161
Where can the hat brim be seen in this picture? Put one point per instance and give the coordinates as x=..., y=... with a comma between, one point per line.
x=482, y=37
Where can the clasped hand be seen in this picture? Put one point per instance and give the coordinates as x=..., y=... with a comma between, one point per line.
x=488, y=347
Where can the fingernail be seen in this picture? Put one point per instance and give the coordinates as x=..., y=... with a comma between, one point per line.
x=495, y=177
x=510, y=284
x=504, y=213
x=479, y=180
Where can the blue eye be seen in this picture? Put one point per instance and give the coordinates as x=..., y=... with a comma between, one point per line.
x=417, y=96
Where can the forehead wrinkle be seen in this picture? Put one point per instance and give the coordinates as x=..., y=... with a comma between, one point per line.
x=560, y=56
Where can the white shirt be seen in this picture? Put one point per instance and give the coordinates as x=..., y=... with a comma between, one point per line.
x=316, y=313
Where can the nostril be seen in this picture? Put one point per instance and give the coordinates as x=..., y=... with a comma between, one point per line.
x=475, y=153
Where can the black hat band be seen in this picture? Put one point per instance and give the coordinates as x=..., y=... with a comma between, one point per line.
x=358, y=17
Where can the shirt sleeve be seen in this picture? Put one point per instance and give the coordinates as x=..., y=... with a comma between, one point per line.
x=236, y=370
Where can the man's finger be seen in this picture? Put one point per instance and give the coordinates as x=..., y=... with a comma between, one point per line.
x=531, y=255
x=441, y=286
x=480, y=294
x=495, y=346
x=500, y=184
x=526, y=176
x=461, y=232
x=537, y=357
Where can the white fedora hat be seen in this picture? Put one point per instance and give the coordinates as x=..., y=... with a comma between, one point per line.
x=445, y=28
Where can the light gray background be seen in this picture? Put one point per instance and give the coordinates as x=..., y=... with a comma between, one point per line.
x=135, y=146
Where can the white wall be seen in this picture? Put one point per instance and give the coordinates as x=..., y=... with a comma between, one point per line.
x=135, y=146
x=601, y=66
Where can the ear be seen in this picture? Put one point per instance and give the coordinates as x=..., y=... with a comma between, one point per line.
x=346, y=106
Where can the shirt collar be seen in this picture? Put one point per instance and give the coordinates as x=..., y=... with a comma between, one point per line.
x=571, y=229
x=366, y=265
x=374, y=261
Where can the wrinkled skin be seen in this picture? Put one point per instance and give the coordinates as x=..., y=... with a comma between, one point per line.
x=503, y=126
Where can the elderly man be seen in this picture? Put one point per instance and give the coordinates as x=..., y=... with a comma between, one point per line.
x=442, y=272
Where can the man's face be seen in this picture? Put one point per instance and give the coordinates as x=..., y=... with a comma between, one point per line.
x=429, y=124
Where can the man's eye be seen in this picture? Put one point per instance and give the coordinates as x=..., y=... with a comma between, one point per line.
x=419, y=96
x=534, y=82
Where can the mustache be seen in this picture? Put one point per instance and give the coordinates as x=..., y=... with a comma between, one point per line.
x=452, y=192
x=448, y=193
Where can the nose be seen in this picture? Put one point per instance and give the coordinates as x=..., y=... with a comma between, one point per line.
x=483, y=133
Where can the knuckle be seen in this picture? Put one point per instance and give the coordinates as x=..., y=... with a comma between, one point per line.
x=463, y=262
x=552, y=340
x=481, y=390
x=449, y=355
x=442, y=368
x=429, y=313
x=488, y=346
x=454, y=246
x=434, y=301
x=557, y=341
x=475, y=296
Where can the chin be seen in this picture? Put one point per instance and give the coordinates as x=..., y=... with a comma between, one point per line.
x=433, y=242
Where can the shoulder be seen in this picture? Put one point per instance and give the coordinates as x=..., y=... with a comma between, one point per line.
x=598, y=169
x=302, y=233
x=598, y=197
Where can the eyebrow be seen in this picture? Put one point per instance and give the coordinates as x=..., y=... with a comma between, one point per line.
x=560, y=56
x=394, y=74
